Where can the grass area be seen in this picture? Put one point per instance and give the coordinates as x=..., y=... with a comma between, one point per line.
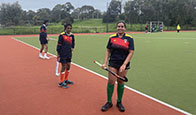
x=79, y=26
x=163, y=65
x=89, y=22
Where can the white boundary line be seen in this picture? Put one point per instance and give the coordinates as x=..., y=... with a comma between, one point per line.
x=152, y=98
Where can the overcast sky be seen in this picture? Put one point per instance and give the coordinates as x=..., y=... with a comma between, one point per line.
x=37, y=4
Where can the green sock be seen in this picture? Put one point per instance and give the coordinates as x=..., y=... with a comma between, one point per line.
x=110, y=90
x=120, y=90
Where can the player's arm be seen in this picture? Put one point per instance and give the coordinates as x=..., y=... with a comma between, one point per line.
x=107, y=54
x=73, y=43
x=46, y=36
x=130, y=55
x=59, y=45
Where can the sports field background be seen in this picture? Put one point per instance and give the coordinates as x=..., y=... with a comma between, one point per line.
x=163, y=65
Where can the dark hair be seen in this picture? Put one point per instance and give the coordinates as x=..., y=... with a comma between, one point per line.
x=45, y=21
x=66, y=25
x=121, y=22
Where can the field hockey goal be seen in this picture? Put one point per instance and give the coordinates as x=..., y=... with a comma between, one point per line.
x=155, y=26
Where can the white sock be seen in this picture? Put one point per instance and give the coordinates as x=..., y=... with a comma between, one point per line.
x=40, y=53
x=57, y=66
x=45, y=54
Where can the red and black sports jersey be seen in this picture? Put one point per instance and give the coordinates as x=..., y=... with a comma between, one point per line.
x=43, y=28
x=43, y=31
x=119, y=47
x=65, y=43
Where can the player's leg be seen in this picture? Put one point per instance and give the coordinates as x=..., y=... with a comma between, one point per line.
x=120, y=91
x=41, y=49
x=62, y=74
x=46, y=50
x=67, y=70
x=110, y=89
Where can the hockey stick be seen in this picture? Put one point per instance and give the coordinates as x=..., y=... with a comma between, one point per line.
x=117, y=76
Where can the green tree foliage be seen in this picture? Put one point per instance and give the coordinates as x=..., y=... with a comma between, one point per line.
x=86, y=12
x=113, y=11
x=43, y=14
x=171, y=12
x=10, y=14
x=27, y=17
x=62, y=13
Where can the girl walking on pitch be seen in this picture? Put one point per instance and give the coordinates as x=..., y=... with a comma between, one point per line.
x=65, y=47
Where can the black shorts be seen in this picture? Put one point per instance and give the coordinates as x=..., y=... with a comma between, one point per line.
x=43, y=41
x=117, y=64
x=65, y=60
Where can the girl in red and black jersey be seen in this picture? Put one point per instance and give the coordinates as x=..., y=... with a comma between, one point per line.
x=43, y=40
x=65, y=47
x=119, y=51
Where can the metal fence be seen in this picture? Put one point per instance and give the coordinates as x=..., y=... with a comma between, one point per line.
x=80, y=29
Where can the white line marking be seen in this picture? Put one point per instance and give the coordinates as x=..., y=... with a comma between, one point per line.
x=152, y=98
x=53, y=39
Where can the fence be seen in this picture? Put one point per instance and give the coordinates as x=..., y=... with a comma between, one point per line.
x=79, y=29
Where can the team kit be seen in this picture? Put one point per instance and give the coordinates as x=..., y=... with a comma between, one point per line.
x=119, y=52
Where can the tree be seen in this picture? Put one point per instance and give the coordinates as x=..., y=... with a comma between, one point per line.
x=113, y=11
x=29, y=17
x=62, y=12
x=97, y=14
x=68, y=7
x=86, y=12
x=10, y=14
x=171, y=12
x=76, y=13
x=132, y=11
x=43, y=14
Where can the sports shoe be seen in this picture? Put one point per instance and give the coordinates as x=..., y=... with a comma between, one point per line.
x=120, y=106
x=41, y=56
x=69, y=82
x=58, y=74
x=107, y=106
x=46, y=57
x=63, y=85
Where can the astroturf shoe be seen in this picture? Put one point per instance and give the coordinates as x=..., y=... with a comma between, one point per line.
x=41, y=56
x=46, y=57
x=63, y=85
x=120, y=106
x=69, y=82
x=107, y=106
x=57, y=74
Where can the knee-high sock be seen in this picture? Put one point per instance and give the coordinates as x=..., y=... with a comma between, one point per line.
x=110, y=90
x=66, y=75
x=62, y=76
x=120, y=90
x=57, y=67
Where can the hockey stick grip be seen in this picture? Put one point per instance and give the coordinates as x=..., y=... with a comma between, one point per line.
x=97, y=63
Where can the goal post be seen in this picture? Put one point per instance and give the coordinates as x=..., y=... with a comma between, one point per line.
x=155, y=26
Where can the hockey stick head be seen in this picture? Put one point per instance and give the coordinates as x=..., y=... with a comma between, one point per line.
x=123, y=79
